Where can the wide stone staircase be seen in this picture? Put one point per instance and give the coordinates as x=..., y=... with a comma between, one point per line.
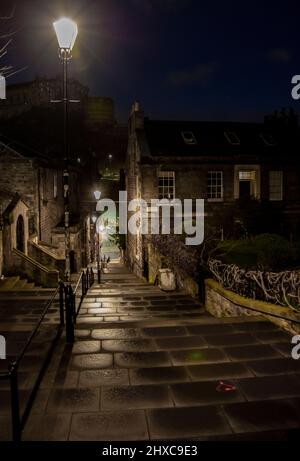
x=153, y=365
x=16, y=284
x=21, y=306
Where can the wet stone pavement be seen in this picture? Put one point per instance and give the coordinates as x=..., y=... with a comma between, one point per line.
x=147, y=365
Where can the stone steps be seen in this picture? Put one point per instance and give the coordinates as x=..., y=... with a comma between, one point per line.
x=15, y=284
x=148, y=365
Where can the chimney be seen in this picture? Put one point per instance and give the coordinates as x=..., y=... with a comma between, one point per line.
x=136, y=119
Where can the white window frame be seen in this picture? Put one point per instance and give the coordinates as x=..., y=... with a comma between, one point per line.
x=236, y=141
x=219, y=175
x=268, y=139
x=166, y=191
x=189, y=138
x=276, y=185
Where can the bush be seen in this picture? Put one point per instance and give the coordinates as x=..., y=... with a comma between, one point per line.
x=273, y=252
x=268, y=252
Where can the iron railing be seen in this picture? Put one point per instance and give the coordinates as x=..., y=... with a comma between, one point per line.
x=18, y=419
x=73, y=298
x=281, y=288
x=70, y=301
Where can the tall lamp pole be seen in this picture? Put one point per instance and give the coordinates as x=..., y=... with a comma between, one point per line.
x=97, y=195
x=66, y=31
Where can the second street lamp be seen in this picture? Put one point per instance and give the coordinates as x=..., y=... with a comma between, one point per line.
x=97, y=195
x=66, y=31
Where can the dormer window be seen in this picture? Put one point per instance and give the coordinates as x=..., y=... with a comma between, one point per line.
x=268, y=139
x=189, y=138
x=232, y=138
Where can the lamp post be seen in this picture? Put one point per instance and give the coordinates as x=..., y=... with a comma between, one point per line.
x=97, y=195
x=66, y=32
x=94, y=236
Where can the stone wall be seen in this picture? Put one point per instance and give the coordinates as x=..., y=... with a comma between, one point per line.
x=33, y=271
x=18, y=176
x=51, y=202
x=225, y=303
x=46, y=258
x=184, y=281
x=76, y=246
x=9, y=234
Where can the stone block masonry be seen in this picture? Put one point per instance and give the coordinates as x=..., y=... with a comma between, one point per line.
x=225, y=303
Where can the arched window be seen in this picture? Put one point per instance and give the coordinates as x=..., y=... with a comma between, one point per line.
x=20, y=234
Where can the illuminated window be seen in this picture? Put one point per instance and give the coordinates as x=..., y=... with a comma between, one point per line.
x=247, y=175
x=166, y=185
x=275, y=185
x=232, y=138
x=215, y=185
x=189, y=138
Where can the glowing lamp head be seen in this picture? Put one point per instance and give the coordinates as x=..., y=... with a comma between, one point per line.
x=97, y=194
x=66, y=31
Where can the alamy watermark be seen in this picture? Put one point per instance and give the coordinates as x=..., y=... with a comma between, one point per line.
x=2, y=348
x=296, y=348
x=155, y=217
x=2, y=87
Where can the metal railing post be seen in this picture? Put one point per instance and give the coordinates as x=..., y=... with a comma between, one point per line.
x=73, y=303
x=15, y=404
x=61, y=303
x=82, y=285
x=92, y=277
x=69, y=317
x=99, y=272
x=87, y=279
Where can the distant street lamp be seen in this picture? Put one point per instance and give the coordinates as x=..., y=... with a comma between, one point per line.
x=97, y=195
x=66, y=31
x=93, y=235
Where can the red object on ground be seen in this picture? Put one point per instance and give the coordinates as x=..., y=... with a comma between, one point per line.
x=225, y=387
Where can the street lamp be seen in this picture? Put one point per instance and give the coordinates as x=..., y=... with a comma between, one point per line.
x=66, y=32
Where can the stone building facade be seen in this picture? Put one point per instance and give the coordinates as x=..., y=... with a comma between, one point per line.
x=221, y=162
x=32, y=187
x=22, y=97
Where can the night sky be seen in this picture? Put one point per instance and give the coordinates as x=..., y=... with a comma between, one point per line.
x=184, y=59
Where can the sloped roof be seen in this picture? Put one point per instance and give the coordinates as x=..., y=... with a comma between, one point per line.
x=12, y=204
x=16, y=150
x=165, y=138
x=20, y=149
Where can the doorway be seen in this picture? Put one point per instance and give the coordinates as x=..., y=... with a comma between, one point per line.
x=73, y=262
x=20, y=237
x=245, y=190
x=247, y=184
x=145, y=264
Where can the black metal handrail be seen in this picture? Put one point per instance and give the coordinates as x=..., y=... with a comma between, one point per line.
x=86, y=280
x=18, y=420
x=68, y=315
